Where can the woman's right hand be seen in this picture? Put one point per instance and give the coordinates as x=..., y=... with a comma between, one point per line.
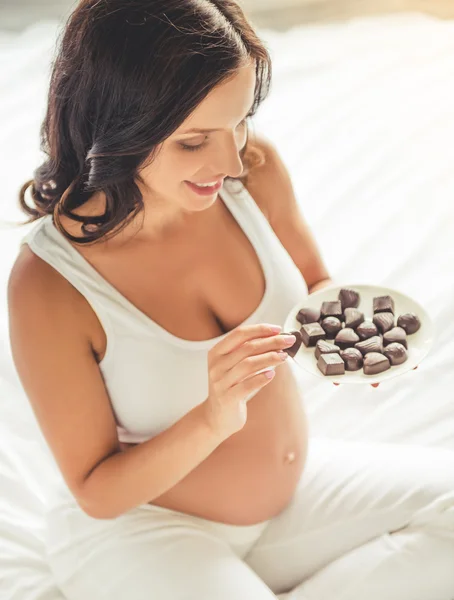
x=233, y=365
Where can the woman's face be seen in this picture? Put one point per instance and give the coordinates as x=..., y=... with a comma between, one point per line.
x=202, y=157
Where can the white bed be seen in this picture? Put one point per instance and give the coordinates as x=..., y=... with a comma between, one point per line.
x=363, y=114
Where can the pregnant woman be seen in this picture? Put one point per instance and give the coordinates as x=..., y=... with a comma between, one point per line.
x=146, y=306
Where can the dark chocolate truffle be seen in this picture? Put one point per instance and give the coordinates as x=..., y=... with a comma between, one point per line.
x=396, y=334
x=308, y=315
x=323, y=347
x=384, y=321
x=312, y=332
x=331, y=364
x=366, y=330
x=352, y=358
x=409, y=322
x=332, y=326
x=353, y=317
x=383, y=304
x=331, y=309
x=374, y=363
x=396, y=353
x=296, y=346
x=349, y=298
x=372, y=344
x=346, y=338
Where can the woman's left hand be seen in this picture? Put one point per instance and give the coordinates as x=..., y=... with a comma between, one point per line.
x=375, y=384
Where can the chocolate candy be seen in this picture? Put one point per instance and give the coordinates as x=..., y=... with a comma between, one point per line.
x=396, y=353
x=296, y=346
x=346, y=338
x=366, y=330
x=348, y=298
x=331, y=364
x=352, y=358
x=324, y=347
x=374, y=363
x=372, y=344
x=409, y=322
x=383, y=304
x=308, y=315
x=384, y=321
x=353, y=317
x=331, y=326
x=331, y=309
x=311, y=333
x=396, y=334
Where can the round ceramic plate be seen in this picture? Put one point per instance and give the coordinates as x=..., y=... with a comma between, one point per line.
x=419, y=343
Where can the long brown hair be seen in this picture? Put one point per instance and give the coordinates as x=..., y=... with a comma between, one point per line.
x=126, y=75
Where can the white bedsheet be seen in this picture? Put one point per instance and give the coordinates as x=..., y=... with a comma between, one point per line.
x=362, y=113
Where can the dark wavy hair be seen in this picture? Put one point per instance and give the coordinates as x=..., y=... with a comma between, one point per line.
x=127, y=73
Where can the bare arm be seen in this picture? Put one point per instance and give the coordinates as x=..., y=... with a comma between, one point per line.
x=55, y=361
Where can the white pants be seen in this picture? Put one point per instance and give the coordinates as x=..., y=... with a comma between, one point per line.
x=367, y=522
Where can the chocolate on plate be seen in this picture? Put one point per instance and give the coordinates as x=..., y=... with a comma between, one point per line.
x=366, y=329
x=308, y=315
x=331, y=364
x=349, y=298
x=324, y=347
x=346, y=338
x=409, y=322
x=296, y=346
x=396, y=334
x=352, y=358
x=331, y=309
x=374, y=363
x=396, y=353
x=311, y=333
x=384, y=321
x=331, y=326
x=372, y=344
x=353, y=317
x=383, y=304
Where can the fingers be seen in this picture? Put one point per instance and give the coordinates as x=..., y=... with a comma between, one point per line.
x=242, y=334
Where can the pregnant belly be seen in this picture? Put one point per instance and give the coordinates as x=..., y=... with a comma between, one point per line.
x=251, y=476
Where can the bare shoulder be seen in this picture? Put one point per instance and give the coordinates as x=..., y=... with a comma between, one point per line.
x=270, y=184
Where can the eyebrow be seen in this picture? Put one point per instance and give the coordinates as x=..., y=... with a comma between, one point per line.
x=196, y=130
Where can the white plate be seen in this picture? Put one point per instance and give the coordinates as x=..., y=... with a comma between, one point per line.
x=419, y=343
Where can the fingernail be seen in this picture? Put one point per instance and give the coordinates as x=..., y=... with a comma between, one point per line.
x=291, y=339
x=275, y=328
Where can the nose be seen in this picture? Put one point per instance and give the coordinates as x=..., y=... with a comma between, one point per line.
x=228, y=160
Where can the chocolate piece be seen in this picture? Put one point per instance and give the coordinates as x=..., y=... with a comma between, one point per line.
x=409, y=322
x=396, y=353
x=346, y=338
x=383, y=304
x=396, y=334
x=384, y=321
x=366, y=330
x=331, y=364
x=323, y=347
x=332, y=326
x=331, y=309
x=348, y=298
x=296, y=346
x=372, y=344
x=311, y=333
x=352, y=358
x=353, y=317
x=374, y=363
x=308, y=315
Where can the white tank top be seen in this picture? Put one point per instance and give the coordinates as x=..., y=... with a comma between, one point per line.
x=154, y=378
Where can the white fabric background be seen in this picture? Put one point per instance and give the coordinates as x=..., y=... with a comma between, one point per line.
x=362, y=114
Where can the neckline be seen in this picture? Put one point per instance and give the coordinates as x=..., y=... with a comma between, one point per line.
x=248, y=231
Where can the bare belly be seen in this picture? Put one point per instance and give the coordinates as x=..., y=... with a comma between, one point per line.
x=251, y=476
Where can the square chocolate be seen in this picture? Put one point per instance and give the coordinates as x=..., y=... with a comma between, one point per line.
x=311, y=333
x=332, y=309
x=383, y=304
x=331, y=364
